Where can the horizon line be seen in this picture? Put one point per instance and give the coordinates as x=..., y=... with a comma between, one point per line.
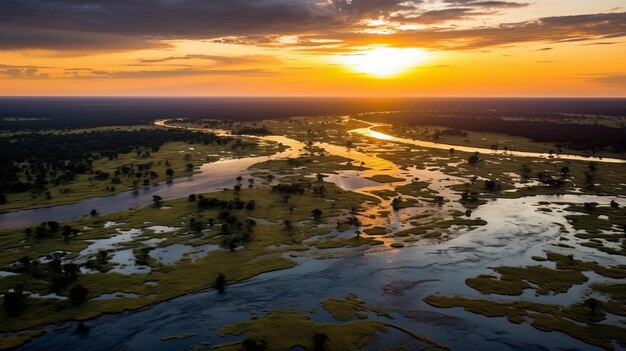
x=318, y=96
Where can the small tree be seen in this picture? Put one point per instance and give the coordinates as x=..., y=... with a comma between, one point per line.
x=254, y=345
x=490, y=185
x=250, y=205
x=191, y=198
x=103, y=256
x=14, y=302
x=564, y=170
x=317, y=214
x=157, y=200
x=319, y=341
x=93, y=212
x=614, y=204
x=78, y=294
x=169, y=172
x=474, y=159
x=220, y=283
x=592, y=304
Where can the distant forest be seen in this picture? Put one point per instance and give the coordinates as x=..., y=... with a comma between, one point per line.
x=58, y=158
x=37, y=113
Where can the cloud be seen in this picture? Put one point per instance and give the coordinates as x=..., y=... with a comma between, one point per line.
x=617, y=80
x=218, y=60
x=487, y=4
x=28, y=72
x=21, y=72
x=549, y=30
x=114, y=25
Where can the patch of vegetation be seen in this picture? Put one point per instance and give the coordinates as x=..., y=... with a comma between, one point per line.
x=384, y=178
x=12, y=342
x=544, y=317
x=246, y=250
x=350, y=307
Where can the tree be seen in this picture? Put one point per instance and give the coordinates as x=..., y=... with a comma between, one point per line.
x=254, y=345
x=70, y=270
x=169, y=172
x=319, y=341
x=614, y=204
x=317, y=214
x=288, y=225
x=67, y=231
x=220, y=283
x=592, y=304
x=490, y=185
x=157, y=200
x=78, y=294
x=103, y=256
x=564, y=170
x=54, y=226
x=191, y=198
x=474, y=159
x=196, y=225
x=250, y=205
x=93, y=212
x=14, y=302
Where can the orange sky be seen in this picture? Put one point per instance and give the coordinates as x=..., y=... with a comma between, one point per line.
x=313, y=48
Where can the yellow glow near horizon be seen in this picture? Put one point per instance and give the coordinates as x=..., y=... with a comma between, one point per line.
x=384, y=62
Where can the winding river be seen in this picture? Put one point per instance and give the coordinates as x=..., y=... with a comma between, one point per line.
x=515, y=232
x=221, y=174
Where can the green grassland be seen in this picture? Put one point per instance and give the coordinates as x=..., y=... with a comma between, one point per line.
x=581, y=320
x=173, y=155
x=262, y=253
x=284, y=330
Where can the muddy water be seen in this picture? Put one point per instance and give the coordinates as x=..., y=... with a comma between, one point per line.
x=515, y=232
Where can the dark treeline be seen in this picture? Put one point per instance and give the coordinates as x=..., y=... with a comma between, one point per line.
x=75, y=112
x=260, y=131
x=58, y=158
x=548, y=128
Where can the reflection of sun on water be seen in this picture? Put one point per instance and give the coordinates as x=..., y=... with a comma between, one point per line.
x=384, y=62
x=379, y=135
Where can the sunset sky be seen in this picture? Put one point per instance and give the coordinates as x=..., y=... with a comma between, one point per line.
x=313, y=47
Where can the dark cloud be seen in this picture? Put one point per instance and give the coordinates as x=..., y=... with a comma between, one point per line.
x=550, y=29
x=487, y=4
x=89, y=25
x=120, y=24
x=439, y=16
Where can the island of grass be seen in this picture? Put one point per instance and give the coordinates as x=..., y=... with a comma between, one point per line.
x=285, y=330
x=384, y=178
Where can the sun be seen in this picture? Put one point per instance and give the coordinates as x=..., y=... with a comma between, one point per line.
x=384, y=62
